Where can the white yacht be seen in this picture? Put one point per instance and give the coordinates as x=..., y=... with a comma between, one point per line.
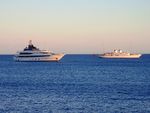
x=119, y=54
x=31, y=53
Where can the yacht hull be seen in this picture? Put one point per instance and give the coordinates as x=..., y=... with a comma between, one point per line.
x=51, y=58
x=130, y=56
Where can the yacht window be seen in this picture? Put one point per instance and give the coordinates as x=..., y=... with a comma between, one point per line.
x=25, y=53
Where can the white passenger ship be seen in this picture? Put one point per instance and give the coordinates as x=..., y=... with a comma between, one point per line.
x=119, y=54
x=31, y=53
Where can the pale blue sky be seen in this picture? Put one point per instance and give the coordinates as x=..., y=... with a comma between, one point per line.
x=75, y=26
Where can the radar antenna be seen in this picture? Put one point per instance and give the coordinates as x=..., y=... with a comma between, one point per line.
x=30, y=42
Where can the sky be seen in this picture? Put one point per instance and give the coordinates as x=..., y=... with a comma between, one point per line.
x=75, y=26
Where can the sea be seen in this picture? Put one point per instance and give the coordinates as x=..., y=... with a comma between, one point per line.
x=76, y=84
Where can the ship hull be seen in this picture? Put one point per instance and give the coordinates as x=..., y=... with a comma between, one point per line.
x=51, y=58
x=130, y=56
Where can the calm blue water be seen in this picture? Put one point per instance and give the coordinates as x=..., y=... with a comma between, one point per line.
x=77, y=84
